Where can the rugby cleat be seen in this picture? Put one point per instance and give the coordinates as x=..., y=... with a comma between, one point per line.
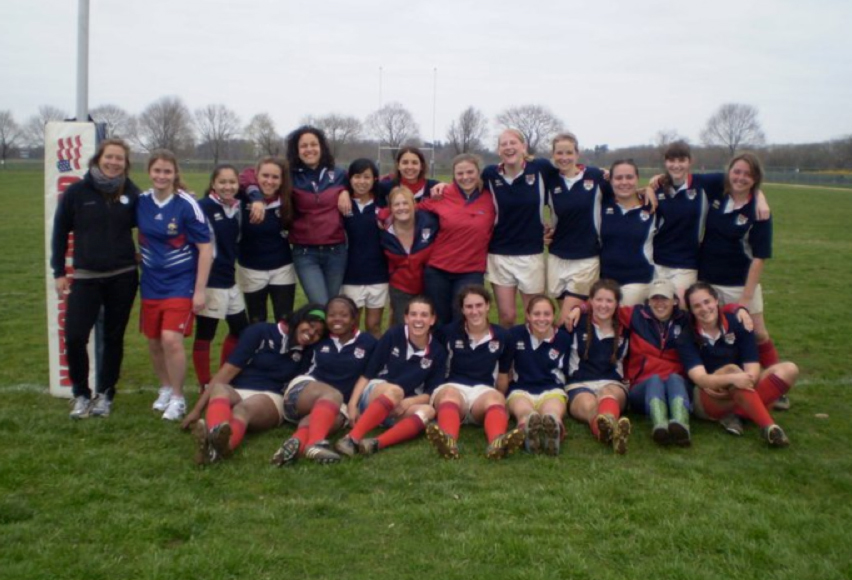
x=505, y=444
x=288, y=453
x=446, y=446
x=621, y=435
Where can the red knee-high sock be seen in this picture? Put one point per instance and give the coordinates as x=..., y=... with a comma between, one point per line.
x=373, y=415
x=228, y=346
x=713, y=407
x=496, y=421
x=238, y=431
x=771, y=388
x=406, y=429
x=606, y=406
x=302, y=435
x=218, y=411
x=201, y=361
x=749, y=403
x=449, y=419
x=766, y=354
x=323, y=416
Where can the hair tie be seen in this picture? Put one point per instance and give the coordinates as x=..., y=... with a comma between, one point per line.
x=318, y=313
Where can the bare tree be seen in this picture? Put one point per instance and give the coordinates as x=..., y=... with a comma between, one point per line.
x=119, y=122
x=339, y=129
x=666, y=137
x=468, y=131
x=34, y=127
x=10, y=132
x=261, y=132
x=536, y=123
x=393, y=125
x=166, y=124
x=217, y=125
x=733, y=126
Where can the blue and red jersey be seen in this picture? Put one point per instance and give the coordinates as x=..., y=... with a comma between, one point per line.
x=477, y=363
x=627, y=239
x=224, y=222
x=735, y=345
x=575, y=213
x=168, y=234
x=732, y=239
x=396, y=360
x=681, y=215
x=519, y=205
x=366, y=263
x=405, y=267
x=266, y=358
x=466, y=225
x=538, y=366
x=591, y=354
x=653, y=343
x=342, y=364
x=316, y=219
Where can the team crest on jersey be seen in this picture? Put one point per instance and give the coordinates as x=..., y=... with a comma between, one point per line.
x=530, y=179
x=610, y=211
x=359, y=352
x=553, y=354
x=520, y=345
x=425, y=234
x=730, y=338
x=425, y=363
x=395, y=351
x=742, y=220
x=172, y=228
x=297, y=356
x=124, y=200
x=459, y=344
x=325, y=349
x=588, y=184
x=716, y=204
x=691, y=193
x=644, y=215
x=493, y=346
x=676, y=330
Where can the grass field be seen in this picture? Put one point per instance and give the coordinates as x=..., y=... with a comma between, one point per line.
x=121, y=498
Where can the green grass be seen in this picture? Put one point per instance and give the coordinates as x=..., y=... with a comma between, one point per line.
x=121, y=498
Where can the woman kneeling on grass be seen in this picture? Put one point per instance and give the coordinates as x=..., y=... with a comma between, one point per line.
x=405, y=368
x=479, y=353
x=246, y=392
x=721, y=359
x=536, y=394
x=313, y=401
x=596, y=388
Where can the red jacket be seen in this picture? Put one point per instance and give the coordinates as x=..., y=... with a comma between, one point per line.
x=466, y=226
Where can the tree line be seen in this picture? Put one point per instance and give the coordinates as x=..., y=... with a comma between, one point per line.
x=215, y=132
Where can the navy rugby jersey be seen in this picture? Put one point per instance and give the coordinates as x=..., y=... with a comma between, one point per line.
x=224, y=222
x=168, y=234
x=397, y=361
x=266, y=358
x=598, y=366
x=477, y=364
x=538, y=366
x=575, y=213
x=627, y=238
x=341, y=365
x=264, y=246
x=735, y=345
x=384, y=187
x=366, y=263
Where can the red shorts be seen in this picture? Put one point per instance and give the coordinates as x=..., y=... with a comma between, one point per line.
x=173, y=314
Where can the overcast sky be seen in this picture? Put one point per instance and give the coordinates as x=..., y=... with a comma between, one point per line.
x=615, y=72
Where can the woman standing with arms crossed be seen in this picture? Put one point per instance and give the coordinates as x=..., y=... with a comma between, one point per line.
x=174, y=240
x=100, y=210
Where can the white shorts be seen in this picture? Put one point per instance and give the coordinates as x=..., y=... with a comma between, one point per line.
x=574, y=277
x=369, y=296
x=469, y=396
x=537, y=400
x=634, y=294
x=254, y=280
x=524, y=272
x=593, y=386
x=734, y=295
x=276, y=399
x=222, y=302
x=682, y=278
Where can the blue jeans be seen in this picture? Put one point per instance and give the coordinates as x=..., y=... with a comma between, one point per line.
x=640, y=395
x=443, y=288
x=320, y=270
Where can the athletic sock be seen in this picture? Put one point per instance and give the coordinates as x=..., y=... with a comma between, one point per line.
x=301, y=435
x=323, y=416
x=406, y=429
x=218, y=411
x=238, y=431
x=766, y=354
x=749, y=403
x=771, y=388
x=228, y=346
x=449, y=419
x=201, y=361
x=496, y=421
x=373, y=416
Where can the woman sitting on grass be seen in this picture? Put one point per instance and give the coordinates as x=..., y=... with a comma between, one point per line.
x=479, y=353
x=246, y=392
x=721, y=359
x=394, y=391
x=314, y=400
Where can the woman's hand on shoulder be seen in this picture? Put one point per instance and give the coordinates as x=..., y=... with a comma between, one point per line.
x=258, y=212
x=344, y=203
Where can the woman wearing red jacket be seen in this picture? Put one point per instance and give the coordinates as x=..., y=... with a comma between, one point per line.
x=466, y=217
